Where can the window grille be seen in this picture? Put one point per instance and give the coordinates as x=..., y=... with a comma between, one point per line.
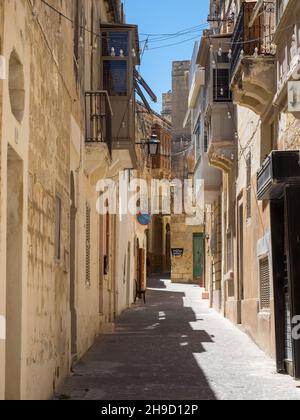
x=264, y=280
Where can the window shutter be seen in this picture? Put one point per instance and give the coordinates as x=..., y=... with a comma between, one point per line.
x=265, y=287
x=249, y=186
x=88, y=245
x=58, y=215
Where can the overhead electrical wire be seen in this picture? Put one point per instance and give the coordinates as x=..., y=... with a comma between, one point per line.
x=175, y=34
x=194, y=38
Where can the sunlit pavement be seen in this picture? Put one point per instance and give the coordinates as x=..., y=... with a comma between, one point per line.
x=176, y=348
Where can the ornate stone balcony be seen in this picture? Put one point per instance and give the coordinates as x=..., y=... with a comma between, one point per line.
x=221, y=145
x=253, y=61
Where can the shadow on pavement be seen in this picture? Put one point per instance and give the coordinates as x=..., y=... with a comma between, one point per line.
x=150, y=356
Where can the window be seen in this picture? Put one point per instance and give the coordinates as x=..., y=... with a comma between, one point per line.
x=273, y=135
x=223, y=59
x=221, y=88
x=16, y=86
x=229, y=262
x=88, y=245
x=115, y=77
x=206, y=136
x=197, y=134
x=58, y=212
x=248, y=187
x=113, y=43
x=116, y=63
x=107, y=244
x=264, y=282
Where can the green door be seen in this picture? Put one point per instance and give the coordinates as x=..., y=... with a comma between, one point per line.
x=198, y=254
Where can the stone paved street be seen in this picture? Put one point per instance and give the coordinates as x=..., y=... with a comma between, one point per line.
x=176, y=348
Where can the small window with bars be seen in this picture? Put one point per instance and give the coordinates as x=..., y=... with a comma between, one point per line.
x=58, y=216
x=88, y=246
x=206, y=139
x=264, y=282
x=222, y=92
x=229, y=246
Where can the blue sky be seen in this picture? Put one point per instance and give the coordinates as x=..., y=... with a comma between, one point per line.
x=166, y=17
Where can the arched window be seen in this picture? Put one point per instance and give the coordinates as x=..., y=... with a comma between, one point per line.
x=16, y=86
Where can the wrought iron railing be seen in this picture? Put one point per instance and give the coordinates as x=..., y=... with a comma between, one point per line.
x=264, y=177
x=252, y=37
x=98, y=118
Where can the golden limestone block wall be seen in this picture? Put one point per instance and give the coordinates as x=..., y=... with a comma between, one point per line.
x=288, y=132
x=48, y=343
x=182, y=237
x=213, y=266
x=2, y=302
x=256, y=234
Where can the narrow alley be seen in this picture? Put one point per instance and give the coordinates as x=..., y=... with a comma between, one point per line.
x=139, y=138
x=176, y=348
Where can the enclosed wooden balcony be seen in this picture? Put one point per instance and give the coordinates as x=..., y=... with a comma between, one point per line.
x=120, y=53
x=252, y=61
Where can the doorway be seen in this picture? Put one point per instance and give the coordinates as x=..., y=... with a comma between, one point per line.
x=140, y=266
x=14, y=270
x=198, y=258
x=168, y=248
x=128, y=300
x=286, y=267
x=240, y=261
x=73, y=213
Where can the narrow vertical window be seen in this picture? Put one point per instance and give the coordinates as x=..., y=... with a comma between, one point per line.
x=107, y=238
x=206, y=139
x=248, y=188
x=221, y=88
x=58, y=210
x=229, y=262
x=88, y=245
x=265, y=286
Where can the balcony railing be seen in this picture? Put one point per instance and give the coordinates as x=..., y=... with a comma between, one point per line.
x=280, y=168
x=252, y=38
x=280, y=8
x=98, y=118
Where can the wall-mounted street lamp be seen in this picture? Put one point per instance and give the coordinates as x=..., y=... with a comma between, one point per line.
x=152, y=145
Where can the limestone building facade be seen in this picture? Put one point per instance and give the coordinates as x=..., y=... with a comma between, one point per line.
x=62, y=267
x=248, y=130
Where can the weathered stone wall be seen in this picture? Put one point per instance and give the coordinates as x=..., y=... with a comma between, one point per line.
x=48, y=343
x=256, y=231
x=182, y=237
x=2, y=298
x=214, y=252
x=180, y=135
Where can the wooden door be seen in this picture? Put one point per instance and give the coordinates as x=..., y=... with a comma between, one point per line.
x=198, y=257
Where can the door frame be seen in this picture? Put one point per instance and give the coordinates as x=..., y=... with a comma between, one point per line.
x=73, y=259
x=285, y=221
x=201, y=236
x=292, y=223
